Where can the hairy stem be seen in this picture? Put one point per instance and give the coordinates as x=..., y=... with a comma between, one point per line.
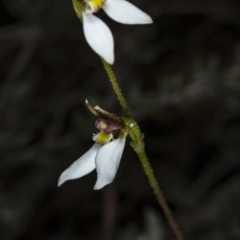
x=139, y=149
x=138, y=146
x=117, y=89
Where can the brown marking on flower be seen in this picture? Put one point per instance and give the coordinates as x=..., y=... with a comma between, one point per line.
x=106, y=126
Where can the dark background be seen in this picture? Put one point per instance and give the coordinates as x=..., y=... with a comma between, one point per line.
x=181, y=77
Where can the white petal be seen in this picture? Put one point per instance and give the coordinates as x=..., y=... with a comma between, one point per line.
x=99, y=37
x=82, y=166
x=125, y=12
x=107, y=162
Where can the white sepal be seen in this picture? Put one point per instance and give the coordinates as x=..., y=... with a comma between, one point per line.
x=98, y=36
x=125, y=12
x=82, y=166
x=107, y=162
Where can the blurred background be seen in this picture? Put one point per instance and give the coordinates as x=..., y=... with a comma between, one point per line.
x=181, y=77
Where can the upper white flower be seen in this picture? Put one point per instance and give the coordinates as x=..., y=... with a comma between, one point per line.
x=105, y=159
x=97, y=33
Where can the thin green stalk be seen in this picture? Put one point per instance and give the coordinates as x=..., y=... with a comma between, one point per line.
x=138, y=146
x=117, y=89
x=157, y=191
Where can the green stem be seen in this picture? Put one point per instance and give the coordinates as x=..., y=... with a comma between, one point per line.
x=117, y=89
x=138, y=146
x=139, y=149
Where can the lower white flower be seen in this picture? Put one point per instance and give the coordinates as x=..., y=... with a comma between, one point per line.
x=105, y=159
x=97, y=33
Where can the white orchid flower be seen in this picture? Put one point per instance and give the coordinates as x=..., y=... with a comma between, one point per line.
x=105, y=159
x=97, y=33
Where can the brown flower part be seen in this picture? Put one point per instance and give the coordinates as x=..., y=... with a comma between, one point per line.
x=108, y=122
x=106, y=126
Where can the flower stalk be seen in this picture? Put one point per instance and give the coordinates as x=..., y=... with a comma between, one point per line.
x=139, y=149
x=116, y=89
x=138, y=146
